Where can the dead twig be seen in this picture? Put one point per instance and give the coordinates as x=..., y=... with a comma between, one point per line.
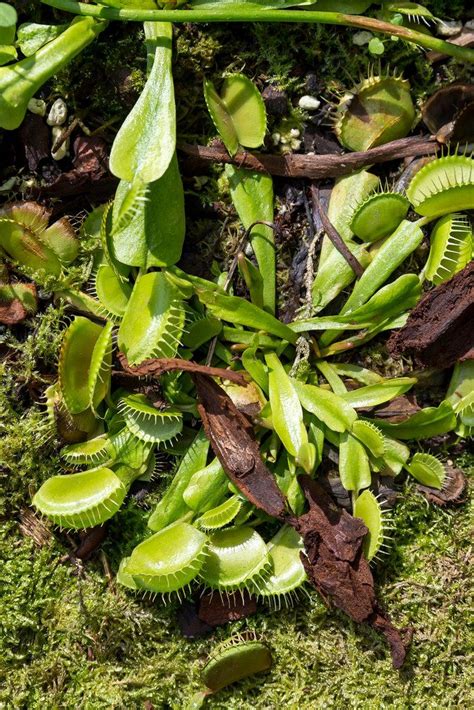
x=314, y=167
x=334, y=235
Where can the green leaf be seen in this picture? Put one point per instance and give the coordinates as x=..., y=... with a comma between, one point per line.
x=373, y=395
x=287, y=414
x=354, y=468
x=145, y=144
x=367, y=508
x=172, y=505
x=388, y=258
x=74, y=363
x=255, y=368
x=206, y=488
x=252, y=195
x=237, y=310
x=370, y=435
x=330, y=408
x=8, y=20
x=427, y=469
x=431, y=421
x=31, y=36
x=221, y=118
x=148, y=229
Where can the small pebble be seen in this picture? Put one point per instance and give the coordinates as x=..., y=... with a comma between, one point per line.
x=449, y=28
x=309, y=103
x=37, y=106
x=57, y=113
x=63, y=149
x=362, y=37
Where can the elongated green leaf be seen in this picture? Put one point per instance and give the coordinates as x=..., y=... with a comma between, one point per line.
x=396, y=248
x=376, y=394
x=391, y=254
x=221, y=118
x=354, y=468
x=172, y=505
x=431, y=421
x=255, y=368
x=252, y=195
x=237, y=310
x=330, y=408
x=370, y=436
x=153, y=234
x=145, y=144
x=287, y=414
x=334, y=274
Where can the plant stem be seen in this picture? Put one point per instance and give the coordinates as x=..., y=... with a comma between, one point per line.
x=229, y=14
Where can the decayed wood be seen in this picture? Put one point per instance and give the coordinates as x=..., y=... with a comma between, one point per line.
x=314, y=167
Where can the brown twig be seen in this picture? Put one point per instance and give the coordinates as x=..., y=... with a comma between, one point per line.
x=334, y=235
x=314, y=167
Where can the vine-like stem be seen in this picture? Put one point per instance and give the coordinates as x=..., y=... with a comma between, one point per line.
x=230, y=14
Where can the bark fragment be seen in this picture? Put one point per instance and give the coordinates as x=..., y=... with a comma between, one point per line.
x=336, y=566
x=439, y=330
x=451, y=493
x=232, y=440
x=216, y=610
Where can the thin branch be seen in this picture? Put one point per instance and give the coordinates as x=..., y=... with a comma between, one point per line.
x=334, y=235
x=314, y=167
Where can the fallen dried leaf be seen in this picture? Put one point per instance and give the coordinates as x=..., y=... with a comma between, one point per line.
x=12, y=312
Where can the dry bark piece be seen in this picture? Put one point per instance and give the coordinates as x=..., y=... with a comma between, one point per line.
x=34, y=527
x=451, y=493
x=90, y=171
x=336, y=566
x=12, y=312
x=216, y=610
x=34, y=137
x=91, y=540
x=314, y=167
x=398, y=409
x=233, y=443
x=439, y=330
x=158, y=366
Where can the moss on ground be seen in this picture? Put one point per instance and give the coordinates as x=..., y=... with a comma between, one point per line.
x=69, y=637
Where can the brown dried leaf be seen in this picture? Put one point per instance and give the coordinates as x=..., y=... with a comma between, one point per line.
x=439, y=330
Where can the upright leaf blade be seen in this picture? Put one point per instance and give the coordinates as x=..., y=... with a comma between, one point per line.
x=145, y=144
